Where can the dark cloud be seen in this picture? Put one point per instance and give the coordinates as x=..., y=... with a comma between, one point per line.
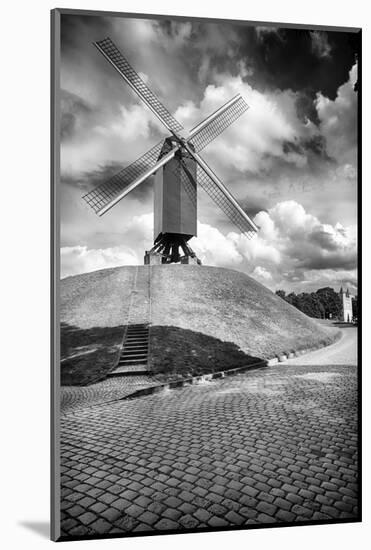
x=74, y=109
x=87, y=181
x=286, y=60
x=75, y=27
x=316, y=145
x=333, y=261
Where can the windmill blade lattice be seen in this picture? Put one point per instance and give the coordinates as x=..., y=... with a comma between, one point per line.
x=209, y=132
x=102, y=195
x=216, y=194
x=115, y=57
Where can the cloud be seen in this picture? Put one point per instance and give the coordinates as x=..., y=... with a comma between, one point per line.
x=262, y=32
x=254, y=143
x=320, y=45
x=74, y=110
x=338, y=121
x=80, y=259
x=262, y=273
x=213, y=248
x=290, y=247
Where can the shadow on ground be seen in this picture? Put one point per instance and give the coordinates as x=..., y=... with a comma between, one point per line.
x=88, y=355
x=41, y=528
x=184, y=353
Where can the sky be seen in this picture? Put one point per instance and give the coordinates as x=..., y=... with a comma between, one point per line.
x=290, y=160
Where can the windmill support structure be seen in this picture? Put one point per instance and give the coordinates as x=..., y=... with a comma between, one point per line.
x=171, y=248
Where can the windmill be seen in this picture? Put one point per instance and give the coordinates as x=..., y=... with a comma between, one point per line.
x=178, y=169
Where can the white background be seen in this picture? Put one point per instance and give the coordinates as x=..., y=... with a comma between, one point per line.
x=24, y=199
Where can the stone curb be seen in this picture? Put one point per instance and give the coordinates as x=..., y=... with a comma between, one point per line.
x=194, y=380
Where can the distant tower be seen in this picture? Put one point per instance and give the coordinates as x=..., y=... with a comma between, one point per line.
x=346, y=314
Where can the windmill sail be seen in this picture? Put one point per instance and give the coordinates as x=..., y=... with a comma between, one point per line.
x=221, y=196
x=111, y=191
x=215, y=124
x=236, y=215
x=123, y=67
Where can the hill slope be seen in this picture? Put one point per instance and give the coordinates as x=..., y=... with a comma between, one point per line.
x=203, y=319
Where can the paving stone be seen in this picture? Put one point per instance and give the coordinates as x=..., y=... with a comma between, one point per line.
x=188, y=522
x=294, y=498
x=217, y=510
x=301, y=511
x=202, y=515
x=174, y=502
x=217, y=522
x=266, y=497
x=283, y=504
x=111, y=514
x=343, y=506
x=166, y=525
x=79, y=531
x=250, y=491
x=149, y=518
x=69, y=524
x=264, y=518
x=266, y=508
x=234, y=518
x=285, y=515
x=100, y=526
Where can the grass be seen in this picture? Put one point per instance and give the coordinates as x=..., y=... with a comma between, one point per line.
x=94, y=309
x=204, y=319
x=88, y=354
x=182, y=353
x=230, y=306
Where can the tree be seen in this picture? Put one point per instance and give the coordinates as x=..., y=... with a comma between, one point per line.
x=320, y=304
x=331, y=301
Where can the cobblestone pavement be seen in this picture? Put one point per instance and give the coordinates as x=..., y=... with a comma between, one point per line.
x=274, y=445
x=74, y=398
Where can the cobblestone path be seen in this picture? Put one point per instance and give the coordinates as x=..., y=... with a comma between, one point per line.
x=74, y=398
x=274, y=445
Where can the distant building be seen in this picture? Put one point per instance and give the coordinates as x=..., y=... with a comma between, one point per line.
x=346, y=314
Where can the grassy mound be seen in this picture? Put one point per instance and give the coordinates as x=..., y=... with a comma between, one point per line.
x=93, y=312
x=203, y=319
x=232, y=307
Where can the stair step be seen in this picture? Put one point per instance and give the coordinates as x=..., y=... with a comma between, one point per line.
x=136, y=343
x=132, y=361
x=134, y=356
